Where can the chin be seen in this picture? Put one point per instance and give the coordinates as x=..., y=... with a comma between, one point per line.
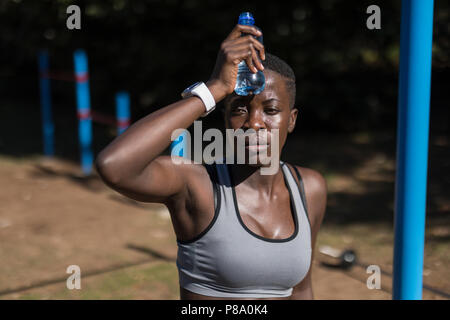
x=256, y=161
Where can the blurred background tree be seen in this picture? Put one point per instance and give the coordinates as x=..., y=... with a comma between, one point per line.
x=346, y=74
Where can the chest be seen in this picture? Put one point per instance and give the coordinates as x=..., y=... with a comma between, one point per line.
x=268, y=217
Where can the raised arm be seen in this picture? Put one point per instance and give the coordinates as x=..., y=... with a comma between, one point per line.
x=131, y=164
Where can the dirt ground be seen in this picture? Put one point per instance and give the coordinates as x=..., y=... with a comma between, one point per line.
x=51, y=218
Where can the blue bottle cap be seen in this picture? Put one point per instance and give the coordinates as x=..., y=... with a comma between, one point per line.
x=246, y=18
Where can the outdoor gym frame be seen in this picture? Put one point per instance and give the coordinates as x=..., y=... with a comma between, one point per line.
x=84, y=113
x=412, y=140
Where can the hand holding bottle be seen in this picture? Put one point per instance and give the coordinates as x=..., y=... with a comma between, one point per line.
x=234, y=49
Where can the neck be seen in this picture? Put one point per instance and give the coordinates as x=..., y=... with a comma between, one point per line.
x=251, y=176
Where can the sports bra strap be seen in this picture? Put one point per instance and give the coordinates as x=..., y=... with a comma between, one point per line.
x=301, y=188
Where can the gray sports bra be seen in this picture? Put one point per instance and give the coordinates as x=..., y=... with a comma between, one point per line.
x=228, y=260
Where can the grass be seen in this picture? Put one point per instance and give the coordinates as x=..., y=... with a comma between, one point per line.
x=139, y=282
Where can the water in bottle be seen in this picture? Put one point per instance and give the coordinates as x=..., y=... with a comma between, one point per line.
x=247, y=82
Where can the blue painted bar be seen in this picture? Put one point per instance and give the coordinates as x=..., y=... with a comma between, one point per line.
x=412, y=147
x=83, y=111
x=122, y=111
x=46, y=104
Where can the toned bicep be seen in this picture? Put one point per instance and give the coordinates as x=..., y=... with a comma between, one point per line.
x=158, y=182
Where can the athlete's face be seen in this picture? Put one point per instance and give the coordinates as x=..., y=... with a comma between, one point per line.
x=268, y=110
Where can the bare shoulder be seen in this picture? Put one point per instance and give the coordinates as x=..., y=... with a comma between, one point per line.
x=313, y=180
x=315, y=187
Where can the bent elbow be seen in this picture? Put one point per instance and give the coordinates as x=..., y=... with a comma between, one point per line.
x=107, y=169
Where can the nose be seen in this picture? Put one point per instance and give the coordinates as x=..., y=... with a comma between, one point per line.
x=254, y=120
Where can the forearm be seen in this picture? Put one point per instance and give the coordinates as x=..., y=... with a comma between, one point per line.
x=146, y=139
x=130, y=153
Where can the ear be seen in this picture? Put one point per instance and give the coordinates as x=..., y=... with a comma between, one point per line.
x=292, y=119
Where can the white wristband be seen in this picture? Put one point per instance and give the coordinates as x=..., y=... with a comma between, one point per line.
x=200, y=90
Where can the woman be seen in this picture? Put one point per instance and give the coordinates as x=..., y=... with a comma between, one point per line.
x=240, y=234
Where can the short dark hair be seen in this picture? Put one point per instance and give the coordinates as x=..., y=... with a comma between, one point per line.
x=279, y=66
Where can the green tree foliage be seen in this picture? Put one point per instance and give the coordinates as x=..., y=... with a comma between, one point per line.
x=346, y=74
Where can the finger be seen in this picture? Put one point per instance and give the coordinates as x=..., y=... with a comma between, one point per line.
x=239, y=29
x=247, y=52
x=244, y=53
x=256, y=62
x=237, y=43
x=247, y=39
x=260, y=47
x=261, y=50
x=236, y=56
x=250, y=60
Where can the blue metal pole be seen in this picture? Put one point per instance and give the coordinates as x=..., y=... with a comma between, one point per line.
x=122, y=111
x=83, y=110
x=46, y=103
x=412, y=147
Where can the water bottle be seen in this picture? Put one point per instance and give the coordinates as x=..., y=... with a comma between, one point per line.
x=247, y=82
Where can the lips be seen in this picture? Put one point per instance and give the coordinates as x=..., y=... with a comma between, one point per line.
x=255, y=145
x=257, y=140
